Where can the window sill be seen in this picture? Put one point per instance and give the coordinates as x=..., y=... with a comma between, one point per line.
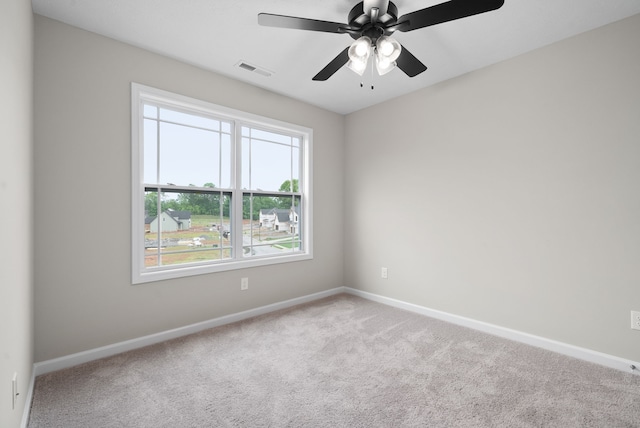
x=173, y=272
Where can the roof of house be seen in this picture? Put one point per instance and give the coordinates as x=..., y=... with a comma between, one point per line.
x=282, y=214
x=180, y=215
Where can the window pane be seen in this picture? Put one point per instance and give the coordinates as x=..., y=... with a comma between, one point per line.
x=271, y=225
x=150, y=151
x=270, y=165
x=295, y=169
x=246, y=164
x=225, y=162
x=191, y=228
x=150, y=240
x=189, y=156
x=270, y=161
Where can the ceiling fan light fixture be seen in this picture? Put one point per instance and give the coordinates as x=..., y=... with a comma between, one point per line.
x=383, y=65
x=359, y=53
x=388, y=48
x=360, y=49
x=358, y=66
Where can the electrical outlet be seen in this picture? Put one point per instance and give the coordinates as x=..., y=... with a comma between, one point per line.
x=384, y=273
x=14, y=391
x=635, y=320
x=244, y=284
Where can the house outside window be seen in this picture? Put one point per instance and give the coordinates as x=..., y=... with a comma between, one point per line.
x=215, y=189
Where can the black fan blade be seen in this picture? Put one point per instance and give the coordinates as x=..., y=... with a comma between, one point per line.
x=409, y=63
x=333, y=66
x=444, y=12
x=281, y=21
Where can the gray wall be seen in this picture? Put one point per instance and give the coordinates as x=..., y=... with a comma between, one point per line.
x=509, y=195
x=83, y=293
x=16, y=153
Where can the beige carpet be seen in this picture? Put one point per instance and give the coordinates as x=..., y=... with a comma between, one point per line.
x=338, y=362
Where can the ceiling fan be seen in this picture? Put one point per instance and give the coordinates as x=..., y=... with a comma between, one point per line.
x=371, y=23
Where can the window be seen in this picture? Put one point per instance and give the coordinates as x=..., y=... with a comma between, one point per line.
x=215, y=189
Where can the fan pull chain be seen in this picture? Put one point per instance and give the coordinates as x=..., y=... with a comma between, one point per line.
x=362, y=83
x=372, y=74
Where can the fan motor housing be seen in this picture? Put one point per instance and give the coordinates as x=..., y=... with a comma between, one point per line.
x=359, y=19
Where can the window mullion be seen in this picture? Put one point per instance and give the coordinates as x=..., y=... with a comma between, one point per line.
x=238, y=196
x=220, y=153
x=158, y=192
x=157, y=146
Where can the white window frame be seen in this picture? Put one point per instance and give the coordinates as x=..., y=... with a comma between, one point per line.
x=140, y=274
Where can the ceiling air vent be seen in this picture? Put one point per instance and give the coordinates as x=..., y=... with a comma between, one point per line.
x=254, y=69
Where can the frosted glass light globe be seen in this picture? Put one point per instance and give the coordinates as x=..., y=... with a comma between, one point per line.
x=386, y=47
x=362, y=47
x=359, y=65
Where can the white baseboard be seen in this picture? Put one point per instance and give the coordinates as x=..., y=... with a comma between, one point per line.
x=517, y=336
x=128, y=345
x=27, y=401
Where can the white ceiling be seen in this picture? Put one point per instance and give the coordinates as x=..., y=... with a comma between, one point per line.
x=217, y=34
